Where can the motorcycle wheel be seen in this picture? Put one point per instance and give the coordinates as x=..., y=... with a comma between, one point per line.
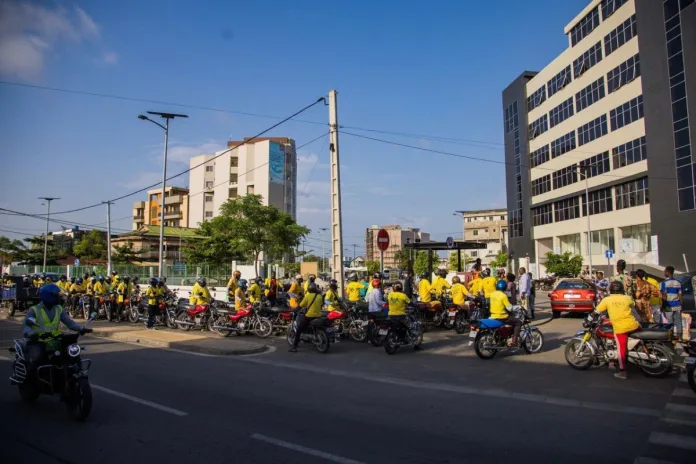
x=357, y=332
x=375, y=338
x=109, y=316
x=263, y=328
x=664, y=365
x=80, y=399
x=533, y=342
x=580, y=361
x=479, y=346
x=134, y=315
x=437, y=318
x=170, y=321
x=183, y=317
x=27, y=394
x=322, y=343
x=419, y=340
x=448, y=323
x=460, y=324
x=11, y=308
x=290, y=337
x=391, y=344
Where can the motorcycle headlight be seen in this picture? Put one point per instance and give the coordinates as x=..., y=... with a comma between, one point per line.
x=74, y=350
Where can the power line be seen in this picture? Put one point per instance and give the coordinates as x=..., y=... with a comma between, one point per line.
x=55, y=221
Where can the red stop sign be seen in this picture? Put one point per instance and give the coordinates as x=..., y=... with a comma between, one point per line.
x=382, y=240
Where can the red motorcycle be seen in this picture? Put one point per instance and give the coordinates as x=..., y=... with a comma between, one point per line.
x=226, y=322
x=196, y=318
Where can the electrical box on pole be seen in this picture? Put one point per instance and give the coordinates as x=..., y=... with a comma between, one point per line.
x=336, y=222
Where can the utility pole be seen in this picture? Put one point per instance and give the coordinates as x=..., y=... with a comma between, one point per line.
x=48, y=201
x=323, y=240
x=583, y=167
x=336, y=219
x=108, y=236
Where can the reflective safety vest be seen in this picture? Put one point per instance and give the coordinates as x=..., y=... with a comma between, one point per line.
x=46, y=325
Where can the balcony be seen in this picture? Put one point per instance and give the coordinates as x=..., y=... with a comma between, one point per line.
x=174, y=200
x=173, y=215
x=139, y=218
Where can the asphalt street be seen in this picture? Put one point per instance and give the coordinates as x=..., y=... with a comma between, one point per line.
x=353, y=405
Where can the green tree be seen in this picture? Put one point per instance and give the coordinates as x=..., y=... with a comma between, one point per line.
x=125, y=254
x=11, y=250
x=372, y=267
x=33, y=253
x=420, y=264
x=309, y=258
x=401, y=258
x=500, y=260
x=563, y=265
x=452, y=263
x=92, y=246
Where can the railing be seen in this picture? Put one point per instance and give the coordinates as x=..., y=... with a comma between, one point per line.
x=173, y=200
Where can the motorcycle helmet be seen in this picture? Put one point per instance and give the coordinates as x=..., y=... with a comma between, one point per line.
x=397, y=287
x=376, y=283
x=154, y=282
x=48, y=280
x=93, y=280
x=616, y=288
x=63, y=278
x=486, y=272
x=501, y=285
x=333, y=284
x=298, y=277
x=242, y=284
x=126, y=279
x=202, y=282
x=258, y=281
x=79, y=281
x=72, y=280
x=100, y=279
x=163, y=279
x=377, y=275
x=312, y=288
x=49, y=295
x=353, y=277
x=425, y=275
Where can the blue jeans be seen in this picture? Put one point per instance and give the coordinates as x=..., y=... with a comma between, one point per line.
x=674, y=318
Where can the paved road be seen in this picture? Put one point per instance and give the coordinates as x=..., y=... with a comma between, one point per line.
x=353, y=405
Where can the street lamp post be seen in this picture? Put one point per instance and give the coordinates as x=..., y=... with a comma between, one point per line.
x=323, y=230
x=583, y=169
x=48, y=201
x=166, y=117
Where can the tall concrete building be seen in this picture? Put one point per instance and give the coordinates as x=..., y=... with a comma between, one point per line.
x=176, y=208
x=488, y=226
x=398, y=237
x=264, y=166
x=614, y=114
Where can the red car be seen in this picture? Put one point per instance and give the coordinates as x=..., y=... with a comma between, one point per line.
x=572, y=295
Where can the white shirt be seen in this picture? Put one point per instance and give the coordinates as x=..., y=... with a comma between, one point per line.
x=375, y=300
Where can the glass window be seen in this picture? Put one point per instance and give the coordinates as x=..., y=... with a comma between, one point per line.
x=538, y=127
x=208, y=214
x=250, y=189
x=537, y=98
x=619, y=36
x=634, y=193
x=539, y=156
x=590, y=94
x=234, y=162
x=208, y=169
x=600, y=202
x=588, y=59
x=623, y=73
x=565, y=176
x=567, y=209
x=561, y=112
x=474, y=232
x=541, y=185
x=542, y=215
x=208, y=185
x=574, y=284
x=640, y=234
x=592, y=130
x=208, y=198
x=601, y=241
x=627, y=113
x=584, y=27
x=516, y=223
x=559, y=81
x=610, y=6
x=570, y=243
x=510, y=116
x=563, y=144
x=597, y=165
x=629, y=153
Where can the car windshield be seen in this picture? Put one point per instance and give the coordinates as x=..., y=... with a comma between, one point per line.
x=572, y=285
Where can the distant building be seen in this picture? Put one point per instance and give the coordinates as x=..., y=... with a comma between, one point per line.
x=146, y=239
x=265, y=166
x=358, y=262
x=488, y=226
x=176, y=208
x=66, y=239
x=398, y=237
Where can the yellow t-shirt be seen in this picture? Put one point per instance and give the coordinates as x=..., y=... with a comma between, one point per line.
x=656, y=300
x=294, y=288
x=458, y=293
x=353, y=291
x=306, y=285
x=331, y=301
x=424, y=288
x=313, y=302
x=152, y=293
x=475, y=286
x=100, y=288
x=239, y=299
x=194, y=290
x=488, y=286
x=254, y=293
x=202, y=296
x=619, y=309
x=74, y=288
x=499, y=305
x=232, y=285
x=123, y=291
x=397, y=303
x=439, y=285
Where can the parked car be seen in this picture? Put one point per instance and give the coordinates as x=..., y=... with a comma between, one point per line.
x=689, y=306
x=572, y=295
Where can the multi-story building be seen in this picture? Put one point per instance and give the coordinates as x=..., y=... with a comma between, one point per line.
x=176, y=208
x=264, y=166
x=398, y=237
x=145, y=241
x=609, y=116
x=488, y=226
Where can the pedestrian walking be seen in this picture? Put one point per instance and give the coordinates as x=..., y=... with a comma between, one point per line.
x=645, y=291
x=531, y=298
x=511, y=291
x=523, y=287
x=671, y=291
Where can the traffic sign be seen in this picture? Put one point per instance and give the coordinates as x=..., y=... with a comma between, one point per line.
x=77, y=262
x=382, y=240
x=609, y=254
x=450, y=242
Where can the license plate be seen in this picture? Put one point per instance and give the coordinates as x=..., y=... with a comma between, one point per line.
x=472, y=334
x=570, y=297
x=453, y=313
x=383, y=331
x=690, y=361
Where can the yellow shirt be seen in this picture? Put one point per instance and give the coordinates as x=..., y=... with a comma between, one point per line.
x=124, y=291
x=397, y=303
x=458, y=293
x=194, y=290
x=152, y=293
x=294, y=288
x=331, y=301
x=353, y=291
x=232, y=285
x=116, y=281
x=488, y=286
x=313, y=302
x=439, y=285
x=90, y=289
x=74, y=288
x=619, y=309
x=306, y=286
x=254, y=293
x=202, y=296
x=499, y=305
x=424, y=292
x=475, y=286
x=239, y=299
x=656, y=300
x=100, y=288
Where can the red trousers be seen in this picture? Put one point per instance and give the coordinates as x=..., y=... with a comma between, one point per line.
x=622, y=348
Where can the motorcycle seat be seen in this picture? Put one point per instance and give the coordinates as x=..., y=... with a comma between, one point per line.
x=650, y=335
x=318, y=322
x=281, y=309
x=490, y=323
x=377, y=315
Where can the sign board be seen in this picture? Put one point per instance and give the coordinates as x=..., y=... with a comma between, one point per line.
x=450, y=242
x=77, y=262
x=276, y=163
x=179, y=266
x=609, y=254
x=382, y=240
x=626, y=245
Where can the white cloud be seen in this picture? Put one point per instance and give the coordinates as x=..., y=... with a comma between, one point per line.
x=143, y=179
x=29, y=31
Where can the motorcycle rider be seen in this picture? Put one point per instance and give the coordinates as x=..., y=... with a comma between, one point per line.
x=154, y=296
x=124, y=291
x=163, y=284
x=499, y=307
x=194, y=290
x=295, y=292
x=63, y=283
x=203, y=297
x=311, y=278
x=475, y=285
x=375, y=276
x=439, y=283
x=365, y=286
x=459, y=295
x=232, y=284
x=397, y=303
x=115, y=279
x=240, y=295
x=255, y=291
x=425, y=292
x=312, y=303
x=44, y=319
x=375, y=300
x=619, y=307
x=271, y=292
x=331, y=297
x=354, y=288
x=488, y=286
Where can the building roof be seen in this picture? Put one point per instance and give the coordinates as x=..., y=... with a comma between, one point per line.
x=153, y=231
x=480, y=211
x=234, y=143
x=168, y=188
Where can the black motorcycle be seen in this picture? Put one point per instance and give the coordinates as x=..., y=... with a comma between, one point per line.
x=398, y=333
x=61, y=371
x=320, y=333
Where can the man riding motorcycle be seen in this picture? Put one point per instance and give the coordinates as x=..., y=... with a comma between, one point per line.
x=459, y=295
x=499, y=307
x=255, y=291
x=425, y=292
x=312, y=302
x=397, y=303
x=232, y=283
x=294, y=292
x=203, y=297
x=271, y=292
x=331, y=297
x=354, y=288
x=240, y=295
x=439, y=283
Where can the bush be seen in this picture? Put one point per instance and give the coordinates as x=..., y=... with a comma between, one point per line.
x=563, y=265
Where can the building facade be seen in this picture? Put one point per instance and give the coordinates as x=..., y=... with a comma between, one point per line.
x=598, y=143
x=176, y=208
x=488, y=226
x=264, y=166
x=145, y=240
x=398, y=237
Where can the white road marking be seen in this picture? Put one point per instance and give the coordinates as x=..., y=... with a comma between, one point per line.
x=673, y=440
x=135, y=399
x=670, y=420
x=686, y=392
x=304, y=449
x=5, y=358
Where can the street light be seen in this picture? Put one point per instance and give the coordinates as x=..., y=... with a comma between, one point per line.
x=166, y=117
x=583, y=170
x=48, y=216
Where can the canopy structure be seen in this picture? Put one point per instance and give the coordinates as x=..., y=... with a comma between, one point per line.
x=443, y=246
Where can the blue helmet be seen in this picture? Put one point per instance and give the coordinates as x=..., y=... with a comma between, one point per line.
x=242, y=284
x=79, y=281
x=100, y=278
x=501, y=285
x=49, y=295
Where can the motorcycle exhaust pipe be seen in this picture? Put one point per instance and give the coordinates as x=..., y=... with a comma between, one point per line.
x=643, y=356
x=185, y=322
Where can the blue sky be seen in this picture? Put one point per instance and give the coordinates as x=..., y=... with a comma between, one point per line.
x=433, y=68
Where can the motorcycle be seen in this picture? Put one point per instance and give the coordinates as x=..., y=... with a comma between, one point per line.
x=490, y=336
x=81, y=306
x=461, y=323
x=595, y=345
x=62, y=371
x=225, y=321
x=320, y=333
x=398, y=333
x=690, y=362
x=193, y=317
